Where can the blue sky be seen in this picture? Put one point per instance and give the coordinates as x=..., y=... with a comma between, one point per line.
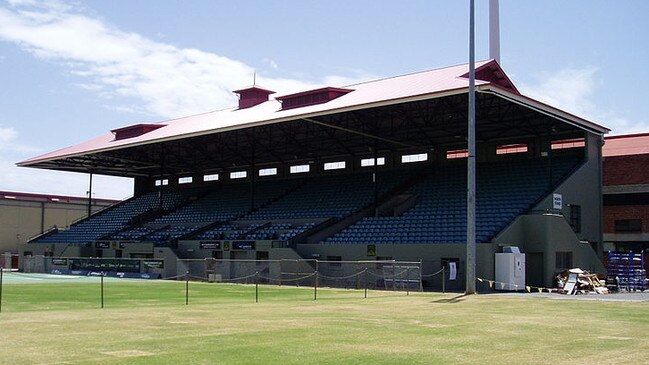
x=74, y=70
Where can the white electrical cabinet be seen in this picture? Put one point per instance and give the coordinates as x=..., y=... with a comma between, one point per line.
x=510, y=269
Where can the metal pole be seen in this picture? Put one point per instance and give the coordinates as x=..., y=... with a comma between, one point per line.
x=90, y=196
x=366, y=283
x=407, y=281
x=257, y=287
x=494, y=30
x=444, y=279
x=102, y=290
x=186, y=287
x=471, y=162
x=421, y=281
x=315, y=286
x=317, y=278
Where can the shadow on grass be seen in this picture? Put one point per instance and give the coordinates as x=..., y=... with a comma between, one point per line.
x=455, y=299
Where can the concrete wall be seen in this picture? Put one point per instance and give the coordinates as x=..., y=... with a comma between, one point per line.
x=23, y=219
x=431, y=256
x=543, y=235
x=583, y=188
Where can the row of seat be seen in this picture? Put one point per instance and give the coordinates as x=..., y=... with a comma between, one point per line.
x=439, y=216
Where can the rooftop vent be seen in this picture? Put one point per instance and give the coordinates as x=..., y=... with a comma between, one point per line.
x=135, y=130
x=252, y=96
x=311, y=97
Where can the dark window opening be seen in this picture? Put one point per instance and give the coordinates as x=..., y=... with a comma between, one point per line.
x=563, y=260
x=575, y=218
x=628, y=225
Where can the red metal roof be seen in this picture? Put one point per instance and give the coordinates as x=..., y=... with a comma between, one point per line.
x=421, y=85
x=135, y=130
x=311, y=97
x=626, y=145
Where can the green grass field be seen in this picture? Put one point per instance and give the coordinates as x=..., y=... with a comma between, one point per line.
x=147, y=322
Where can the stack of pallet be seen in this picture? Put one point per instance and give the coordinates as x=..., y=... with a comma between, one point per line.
x=578, y=281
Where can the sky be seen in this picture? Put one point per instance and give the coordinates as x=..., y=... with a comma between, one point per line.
x=72, y=70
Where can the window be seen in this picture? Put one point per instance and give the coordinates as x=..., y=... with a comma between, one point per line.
x=212, y=177
x=511, y=148
x=457, y=154
x=628, y=225
x=575, y=217
x=334, y=165
x=162, y=182
x=563, y=260
x=366, y=162
x=185, y=180
x=414, y=158
x=238, y=175
x=298, y=169
x=568, y=143
x=268, y=172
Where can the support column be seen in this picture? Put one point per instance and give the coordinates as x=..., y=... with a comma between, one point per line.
x=471, y=168
x=90, y=195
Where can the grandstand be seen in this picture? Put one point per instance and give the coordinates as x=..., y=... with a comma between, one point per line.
x=370, y=171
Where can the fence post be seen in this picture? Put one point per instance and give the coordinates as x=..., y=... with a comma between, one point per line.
x=407, y=281
x=366, y=283
x=358, y=278
x=444, y=278
x=257, y=287
x=186, y=287
x=315, y=286
x=421, y=281
x=317, y=277
x=102, y=289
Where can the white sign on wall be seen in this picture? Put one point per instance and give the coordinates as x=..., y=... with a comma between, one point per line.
x=452, y=271
x=557, y=201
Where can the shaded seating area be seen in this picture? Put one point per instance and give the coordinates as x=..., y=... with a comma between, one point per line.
x=506, y=189
x=117, y=217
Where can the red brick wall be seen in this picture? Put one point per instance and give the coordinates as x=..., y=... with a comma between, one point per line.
x=613, y=213
x=626, y=170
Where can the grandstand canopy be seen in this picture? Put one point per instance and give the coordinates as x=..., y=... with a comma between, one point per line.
x=417, y=112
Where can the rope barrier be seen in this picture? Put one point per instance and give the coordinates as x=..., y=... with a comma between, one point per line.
x=239, y=278
x=197, y=277
x=287, y=280
x=342, y=277
x=516, y=286
x=392, y=274
x=432, y=274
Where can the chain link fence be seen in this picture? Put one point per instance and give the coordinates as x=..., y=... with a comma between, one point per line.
x=377, y=275
x=371, y=274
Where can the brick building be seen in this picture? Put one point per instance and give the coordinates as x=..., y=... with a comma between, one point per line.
x=626, y=192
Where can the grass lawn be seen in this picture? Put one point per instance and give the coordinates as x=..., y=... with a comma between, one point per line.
x=149, y=323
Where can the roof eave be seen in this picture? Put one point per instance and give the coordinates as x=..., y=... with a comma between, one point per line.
x=387, y=102
x=544, y=108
